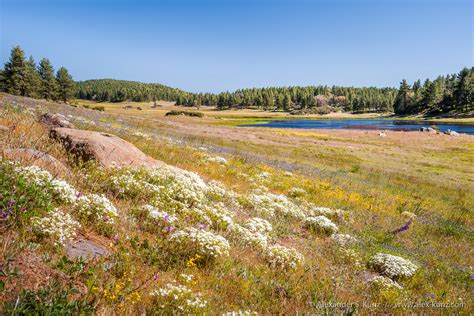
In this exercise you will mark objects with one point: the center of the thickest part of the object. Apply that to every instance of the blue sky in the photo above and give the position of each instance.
(215, 45)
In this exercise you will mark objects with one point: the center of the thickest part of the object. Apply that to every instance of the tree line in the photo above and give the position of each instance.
(451, 93)
(21, 76)
(322, 98)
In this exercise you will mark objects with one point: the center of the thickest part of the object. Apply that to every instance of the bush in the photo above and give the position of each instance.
(98, 108)
(186, 113)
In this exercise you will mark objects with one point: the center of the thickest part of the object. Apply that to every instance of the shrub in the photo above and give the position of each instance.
(57, 224)
(177, 298)
(320, 224)
(207, 245)
(258, 225)
(99, 108)
(187, 113)
(282, 257)
(392, 266)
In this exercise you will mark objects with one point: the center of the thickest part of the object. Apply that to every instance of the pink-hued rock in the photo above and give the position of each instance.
(109, 150)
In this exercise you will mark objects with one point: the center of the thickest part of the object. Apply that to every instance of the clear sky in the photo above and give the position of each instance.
(212, 45)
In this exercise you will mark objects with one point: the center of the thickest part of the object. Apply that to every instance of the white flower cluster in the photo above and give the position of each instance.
(175, 297)
(379, 282)
(57, 224)
(201, 242)
(34, 174)
(255, 234)
(320, 224)
(258, 225)
(156, 214)
(392, 266)
(344, 239)
(282, 257)
(180, 193)
(128, 184)
(91, 206)
(97, 208)
(324, 211)
(254, 239)
(63, 191)
(272, 204)
(219, 215)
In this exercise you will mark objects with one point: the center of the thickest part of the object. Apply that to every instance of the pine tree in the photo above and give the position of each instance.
(2, 80)
(464, 90)
(32, 79)
(65, 85)
(16, 73)
(48, 86)
(402, 101)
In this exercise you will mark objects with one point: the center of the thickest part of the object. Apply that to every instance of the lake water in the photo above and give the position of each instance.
(369, 124)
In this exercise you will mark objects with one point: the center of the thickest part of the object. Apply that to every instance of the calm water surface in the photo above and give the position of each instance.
(394, 125)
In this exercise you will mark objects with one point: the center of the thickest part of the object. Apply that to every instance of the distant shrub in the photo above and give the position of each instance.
(187, 113)
(139, 108)
(98, 108)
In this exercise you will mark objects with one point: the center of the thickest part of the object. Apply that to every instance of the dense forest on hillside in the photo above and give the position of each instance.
(318, 98)
(451, 93)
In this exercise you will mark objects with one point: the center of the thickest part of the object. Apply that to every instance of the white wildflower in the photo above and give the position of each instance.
(392, 266)
(320, 224)
(57, 224)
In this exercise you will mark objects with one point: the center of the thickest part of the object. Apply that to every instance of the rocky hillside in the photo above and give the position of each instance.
(92, 225)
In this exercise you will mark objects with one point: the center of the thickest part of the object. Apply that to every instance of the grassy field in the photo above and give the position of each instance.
(242, 116)
(408, 194)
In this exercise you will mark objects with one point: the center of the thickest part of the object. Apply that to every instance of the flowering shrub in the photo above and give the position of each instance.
(204, 243)
(96, 208)
(130, 185)
(320, 224)
(174, 297)
(282, 257)
(34, 175)
(271, 204)
(63, 191)
(156, 214)
(392, 266)
(56, 224)
(325, 211)
(258, 225)
(249, 238)
(379, 282)
(344, 239)
(219, 216)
